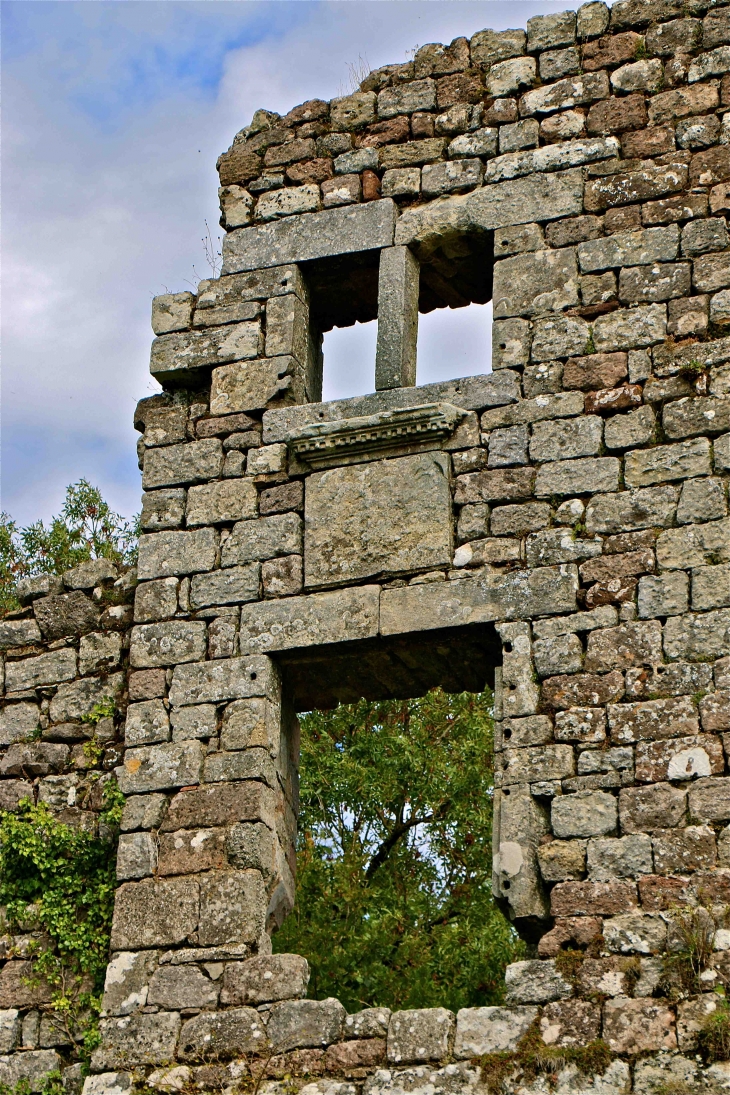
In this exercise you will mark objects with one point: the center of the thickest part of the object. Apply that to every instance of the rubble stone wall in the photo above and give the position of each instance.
(560, 523)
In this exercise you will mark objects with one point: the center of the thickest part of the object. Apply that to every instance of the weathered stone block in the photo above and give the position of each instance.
(224, 1033)
(586, 814)
(137, 1040)
(578, 476)
(164, 554)
(706, 635)
(222, 587)
(368, 1023)
(302, 1023)
(310, 620)
(18, 722)
(709, 800)
(224, 804)
(623, 857)
(544, 281)
(491, 1030)
(562, 859)
(680, 851)
(154, 913)
(155, 600)
(226, 679)
(162, 509)
(583, 689)
(67, 614)
(263, 539)
(232, 907)
(535, 982)
(654, 719)
(367, 540)
(566, 440)
(541, 762)
(51, 668)
(650, 507)
(663, 595)
(167, 643)
(157, 767)
(420, 1035)
(230, 500)
(636, 1026)
(127, 980)
(265, 979)
(30, 1068)
(491, 596)
(645, 808)
(623, 646)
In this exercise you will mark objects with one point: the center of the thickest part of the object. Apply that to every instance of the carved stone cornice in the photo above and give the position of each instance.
(327, 443)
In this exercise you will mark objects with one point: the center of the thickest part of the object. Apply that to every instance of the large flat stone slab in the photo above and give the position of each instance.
(492, 595)
(310, 236)
(389, 516)
(517, 201)
(472, 393)
(314, 620)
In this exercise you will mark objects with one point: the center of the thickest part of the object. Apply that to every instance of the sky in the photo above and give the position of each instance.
(113, 115)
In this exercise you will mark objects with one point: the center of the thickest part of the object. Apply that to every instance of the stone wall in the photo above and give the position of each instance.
(64, 654)
(559, 526)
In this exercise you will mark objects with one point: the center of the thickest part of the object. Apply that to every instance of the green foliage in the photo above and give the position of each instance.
(51, 1084)
(105, 709)
(714, 1035)
(86, 528)
(65, 879)
(394, 859)
(113, 800)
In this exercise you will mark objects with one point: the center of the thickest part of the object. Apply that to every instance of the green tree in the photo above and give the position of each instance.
(394, 903)
(86, 528)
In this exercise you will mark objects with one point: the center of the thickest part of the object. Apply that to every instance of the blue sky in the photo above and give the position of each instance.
(113, 114)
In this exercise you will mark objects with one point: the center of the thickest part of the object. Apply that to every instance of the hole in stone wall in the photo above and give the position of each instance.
(349, 361)
(394, 901)
(454, 342)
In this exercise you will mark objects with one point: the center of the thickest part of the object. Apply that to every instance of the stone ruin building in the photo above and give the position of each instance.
(557, 527)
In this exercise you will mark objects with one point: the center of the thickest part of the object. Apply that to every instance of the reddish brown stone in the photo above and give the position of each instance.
(307, 112)
(614, 591)
(282, 577)
(638, 1026)
(300, 1062)
(725, 90)
(642, 809)
(715, 711)
(570, 1023)
(576, 930)
(654, 757)
(282, 499)
(601, 569)
(609, 400)
(388, 132)
(311, 171)
(583, 689)
(710, 167)
(617, 115)
(681, 207)
(622, 218)
(422, 125)
(312, 129)
(658, 893)
(463, 87)
(370, 186)
(685, 101)
(437, 60)
(592, 898)
(595, 371)
(146, 684)
(644, 143)
(635, 643)
(238, 166)
(189, 851)
(611, 50)
(359, 1053)
(19, 988)
(712, 886)
(500, 112)
(220, 804)
(684, 850)
(621, 542)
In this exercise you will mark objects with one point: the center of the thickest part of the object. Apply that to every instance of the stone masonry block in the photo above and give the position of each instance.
(420, 1035)
(154, 914)
(137, 1040)
(167, 643)
(636, 1026)
(226, 679)
(230, 500)
(623, 646)
(265, 979)
(263, 539)
(491, 1029)
(645, 808)
(165, 554)
(232, 907)
(585, 814)
(535, 982)
(337, 616)
(223, 1033)
(543, 281)
(350, 531)
(578, 476)
(296, 1024)
(158, 767)
(645, 467)
(622, 857)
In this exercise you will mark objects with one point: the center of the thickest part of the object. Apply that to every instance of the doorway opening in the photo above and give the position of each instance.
(394, 903)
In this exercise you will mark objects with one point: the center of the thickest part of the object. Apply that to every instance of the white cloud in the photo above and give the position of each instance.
(114, 114)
